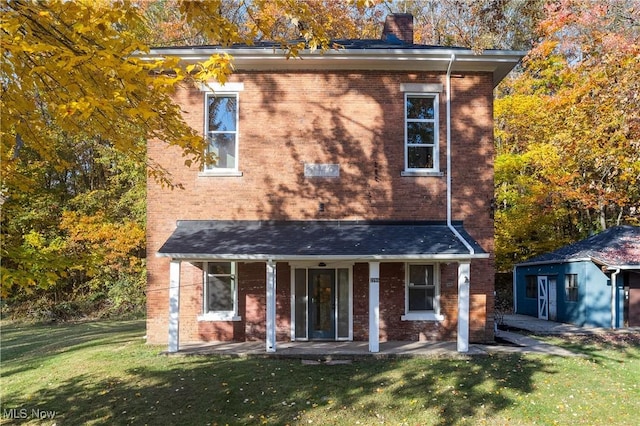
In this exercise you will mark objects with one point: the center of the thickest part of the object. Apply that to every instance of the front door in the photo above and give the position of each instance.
(322, 303)
(543, 301)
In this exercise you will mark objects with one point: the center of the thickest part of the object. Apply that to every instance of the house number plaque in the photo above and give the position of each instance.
(321, 170)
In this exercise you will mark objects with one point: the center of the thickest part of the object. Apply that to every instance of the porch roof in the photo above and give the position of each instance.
(313, 240)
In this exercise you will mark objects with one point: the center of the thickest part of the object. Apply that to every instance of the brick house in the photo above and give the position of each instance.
(351, 199)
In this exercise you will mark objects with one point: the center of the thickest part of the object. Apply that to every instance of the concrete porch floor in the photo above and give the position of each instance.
(330, 351)
(327, 351)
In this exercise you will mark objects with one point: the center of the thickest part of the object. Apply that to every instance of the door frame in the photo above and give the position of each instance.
(317, 265)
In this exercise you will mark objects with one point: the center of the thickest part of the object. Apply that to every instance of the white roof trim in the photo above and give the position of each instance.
(498, 62)
(295, 258)
(623, 267)
(551, 262)
(581, 259)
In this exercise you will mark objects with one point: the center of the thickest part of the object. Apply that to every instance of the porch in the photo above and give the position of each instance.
(313, 263)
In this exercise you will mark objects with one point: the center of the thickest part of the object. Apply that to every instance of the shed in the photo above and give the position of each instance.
(574, 283)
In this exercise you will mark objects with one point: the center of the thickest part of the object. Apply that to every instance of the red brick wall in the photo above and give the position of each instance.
(354, 119)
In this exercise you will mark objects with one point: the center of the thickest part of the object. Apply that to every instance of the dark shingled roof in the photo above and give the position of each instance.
(615, 246)
(338, 43)
(308, 239)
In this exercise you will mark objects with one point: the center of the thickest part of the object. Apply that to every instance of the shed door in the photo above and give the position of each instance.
(633, 317)
(543, 301)
(553, 299)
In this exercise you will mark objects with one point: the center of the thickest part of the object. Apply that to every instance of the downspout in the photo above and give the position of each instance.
(515, 290)
(451, 227)
(614, 286)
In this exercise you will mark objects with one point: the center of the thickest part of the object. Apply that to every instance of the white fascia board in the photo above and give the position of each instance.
(294, 258)
(624, 267)
(581, 259)
(551, 262)
(498, 62)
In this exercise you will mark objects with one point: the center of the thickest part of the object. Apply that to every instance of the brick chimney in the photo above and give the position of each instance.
(398, 27)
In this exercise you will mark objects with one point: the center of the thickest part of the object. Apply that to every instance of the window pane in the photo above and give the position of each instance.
(343, 303)
(532, 286)
(420, 133)
(571, 287)
(220, 293)
(301, 303)
(420, 157)
(220, 268)
(222, 113)
(420, 108)
(418, 274)
(223, 145)
(421, 298)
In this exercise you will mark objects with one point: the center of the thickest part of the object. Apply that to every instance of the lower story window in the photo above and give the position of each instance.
(422, 293)
(532, 287)
(571, 287)
(220, 292)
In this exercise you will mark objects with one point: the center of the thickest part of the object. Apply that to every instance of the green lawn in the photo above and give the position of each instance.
(104, 373)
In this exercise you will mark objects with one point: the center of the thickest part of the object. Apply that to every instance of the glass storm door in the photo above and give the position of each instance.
(322, 304)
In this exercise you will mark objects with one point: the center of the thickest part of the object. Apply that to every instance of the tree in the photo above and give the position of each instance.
(75, 232)
(79, 101)
(480, 24)
(567, 132)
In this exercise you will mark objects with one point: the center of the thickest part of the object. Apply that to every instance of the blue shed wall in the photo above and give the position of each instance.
(597, 301)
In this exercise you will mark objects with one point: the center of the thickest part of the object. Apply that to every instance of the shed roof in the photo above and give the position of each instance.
(300, 240)
(617, 246)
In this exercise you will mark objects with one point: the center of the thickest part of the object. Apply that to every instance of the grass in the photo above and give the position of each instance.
(104, 373)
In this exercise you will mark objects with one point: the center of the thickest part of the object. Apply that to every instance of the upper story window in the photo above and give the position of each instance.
(222, 130)
(422, 300)
(421, 133)
(221, 118)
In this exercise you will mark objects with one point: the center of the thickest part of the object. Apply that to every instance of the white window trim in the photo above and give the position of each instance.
(435, 170)
(219, 315)
(434, 315)
(426, 316)
(228, 89)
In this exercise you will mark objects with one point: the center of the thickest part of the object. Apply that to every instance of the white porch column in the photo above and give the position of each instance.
(464, 270)
(374, 306)
(174, 305)
(271, 306)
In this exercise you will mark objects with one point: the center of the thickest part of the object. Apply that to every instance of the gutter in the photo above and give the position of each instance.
(497, 62)
(262, 257)
(515, 291)
(449, 225)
